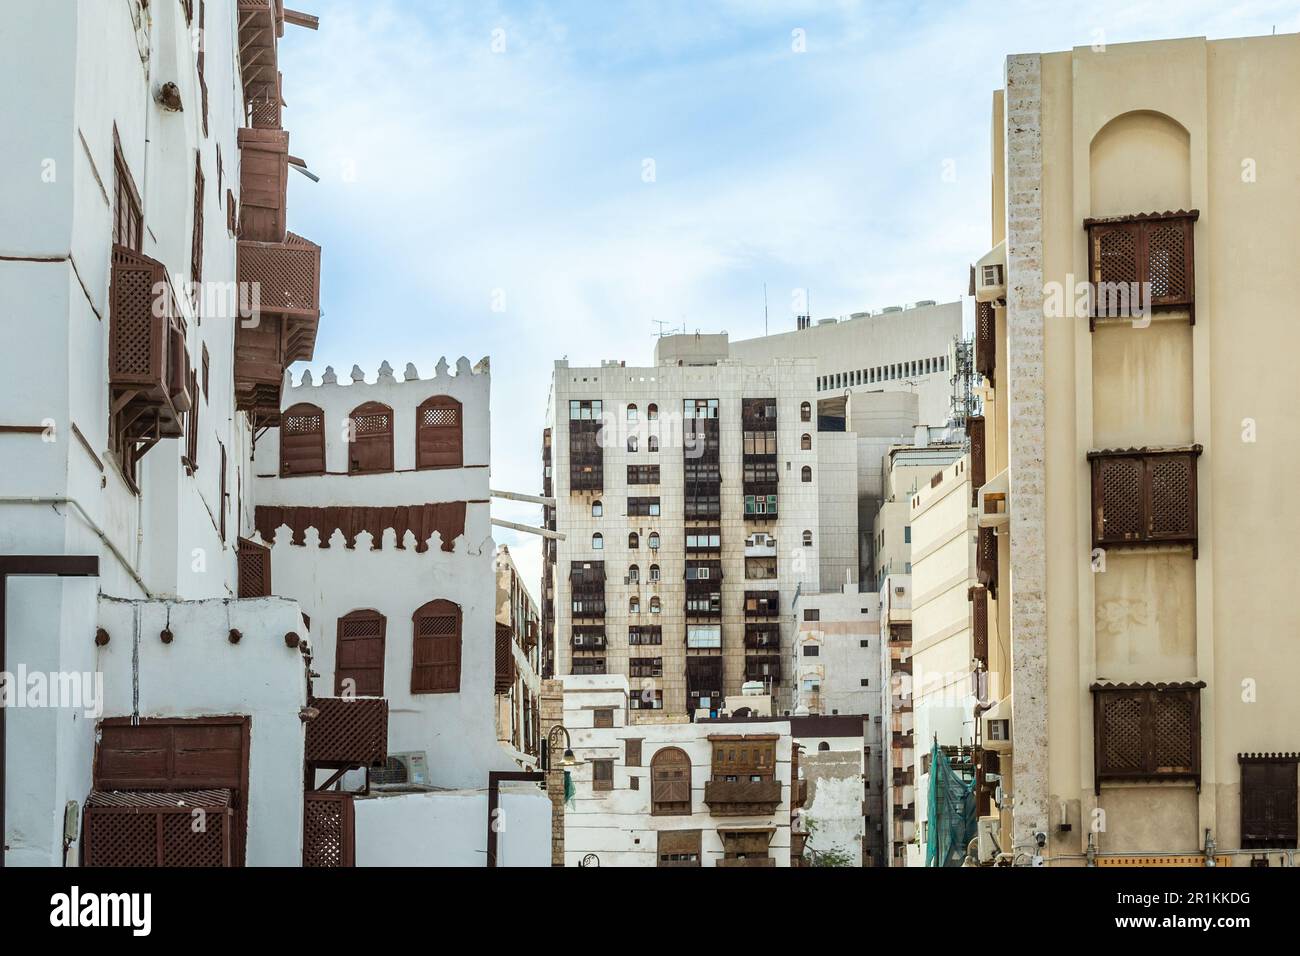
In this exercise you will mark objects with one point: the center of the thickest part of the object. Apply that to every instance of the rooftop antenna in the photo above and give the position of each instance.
(661, 323)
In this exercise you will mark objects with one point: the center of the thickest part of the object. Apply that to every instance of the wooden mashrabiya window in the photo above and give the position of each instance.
(1268, 800)
(439, 433)
(1147, 732)
(302, 441)
(370, 434)
(1140, 261)
(435, 664)
(1144, 496)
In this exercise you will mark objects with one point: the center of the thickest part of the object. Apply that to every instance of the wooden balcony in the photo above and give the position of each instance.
(263, 184)
(347, 732)
(764, 862)
(742, 798)
(148, 365)
(261, 24)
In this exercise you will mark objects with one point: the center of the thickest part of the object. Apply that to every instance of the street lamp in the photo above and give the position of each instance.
(567, 760)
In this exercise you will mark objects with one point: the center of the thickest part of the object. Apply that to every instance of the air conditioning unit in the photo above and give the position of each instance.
(988, 838)
(991, 275)
(995, 729)
(404, 770)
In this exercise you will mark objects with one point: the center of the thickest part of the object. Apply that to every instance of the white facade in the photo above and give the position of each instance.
(839, 814)
(456, 730)
(518, 711)
(617, 824)
(903, 350)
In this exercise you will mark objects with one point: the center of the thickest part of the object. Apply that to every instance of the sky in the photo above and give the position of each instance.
(540, 180)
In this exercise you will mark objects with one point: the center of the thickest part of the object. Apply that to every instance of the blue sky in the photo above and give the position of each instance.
(485, 154)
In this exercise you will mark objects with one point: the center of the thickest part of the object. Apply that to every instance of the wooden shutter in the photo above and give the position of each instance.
(371, 445)
(979, 600)
(670, 783)
(192, 423)
(602, 774)
(604, 717)
(196, 248)
(505, 659)
(1268, 801)
(435, 664)
(359, 653)
(679, 848)
(975, 429)
(439, 433)
(986, 560)
(1146, 731)
(254, 569)
(986, 344)
(1144, 495)
(302, 441)
(632, 752)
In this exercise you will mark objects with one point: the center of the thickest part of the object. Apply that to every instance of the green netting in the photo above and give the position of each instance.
(951, 813)
(570, 791)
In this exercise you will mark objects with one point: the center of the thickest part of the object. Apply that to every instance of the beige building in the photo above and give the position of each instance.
(1138, 452)
(518, 663)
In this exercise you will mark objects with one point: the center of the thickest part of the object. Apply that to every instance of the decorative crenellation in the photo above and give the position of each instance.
(386, 376)
(364, 542)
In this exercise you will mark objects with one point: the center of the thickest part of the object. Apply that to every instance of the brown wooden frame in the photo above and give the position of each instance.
(254, 569)
(1141, 702)
(1136, 467)
(979, 601)
(144, 781)
(370, 451)
(1268, 809)
(1137, 231)
(432, 676)
(667, 796)
(978, 462)
(306, 447)
(360, 614)
(439, 444)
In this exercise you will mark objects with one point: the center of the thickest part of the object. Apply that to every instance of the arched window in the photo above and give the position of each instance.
(634, 541)
(359, 654)
(633, 574)
(654, 572)
(823, 746)
(370, 439)
(654, 540)
(805, 443)
(631, 443)
(634, 605)
(597, 542)
(655, 606)
(302, 441)
(807, 539)
(652, 443)
(597, 509)
(670, 783)
(652, 412)
(439, 436)
(435, 658)
(631, 413)
(805, 412)
(805, 473)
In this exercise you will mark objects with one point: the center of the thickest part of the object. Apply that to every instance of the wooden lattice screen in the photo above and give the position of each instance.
(1147, 731)
(986, 346)
(986, 560)
(347, 732)
(975, 429)
(328, 830)
(1268, 800)
(371, 432)
(302, 441)
(435, 665)
(186, 828)
(505, 659)
(439, 433)
(1140, 261)
(254, 569)
(979, 628)
(1144, 496)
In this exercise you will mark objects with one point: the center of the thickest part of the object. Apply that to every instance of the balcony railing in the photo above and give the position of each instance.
(730, 798)
(347, 732)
